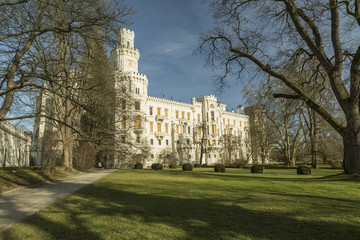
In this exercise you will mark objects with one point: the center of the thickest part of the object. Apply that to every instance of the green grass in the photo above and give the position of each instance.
(172, 204)
(11, 178)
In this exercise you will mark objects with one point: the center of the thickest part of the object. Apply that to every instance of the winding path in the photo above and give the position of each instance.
(19, 204)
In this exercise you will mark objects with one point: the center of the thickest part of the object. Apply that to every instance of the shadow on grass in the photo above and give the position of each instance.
(196, 218)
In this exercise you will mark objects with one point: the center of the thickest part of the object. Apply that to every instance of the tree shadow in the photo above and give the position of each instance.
(196, 218)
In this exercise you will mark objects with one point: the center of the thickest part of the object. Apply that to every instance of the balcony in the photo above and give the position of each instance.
(159, 118)
(213, 135)
(160, 135)
(183, 121)
(229, 126)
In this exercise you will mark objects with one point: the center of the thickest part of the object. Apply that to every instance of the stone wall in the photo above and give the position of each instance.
(14, 146)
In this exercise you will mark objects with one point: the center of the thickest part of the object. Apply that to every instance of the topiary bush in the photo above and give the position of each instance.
(173, 165)
(196, 165)
(157, 166)
(187, 167)
(257, 168)
(219, 168)
(138, 166)
(303, 170)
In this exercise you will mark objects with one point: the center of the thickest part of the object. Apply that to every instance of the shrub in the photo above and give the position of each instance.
(138, 166)
(187, 167)
(173, 165)
(219, 168)
(157, 166)
(257, 168)
(303, 170)
(196, 165)
(204, 165)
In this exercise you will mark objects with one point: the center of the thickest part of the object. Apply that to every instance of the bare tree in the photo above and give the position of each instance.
(265, 34)
(24, 22)
(284, 119)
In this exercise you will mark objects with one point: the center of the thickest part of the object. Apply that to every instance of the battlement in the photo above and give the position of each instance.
(125, 38)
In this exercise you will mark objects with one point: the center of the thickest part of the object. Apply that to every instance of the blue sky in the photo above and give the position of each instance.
(167, 33)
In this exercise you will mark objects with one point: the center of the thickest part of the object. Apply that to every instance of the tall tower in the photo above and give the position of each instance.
(130, 98)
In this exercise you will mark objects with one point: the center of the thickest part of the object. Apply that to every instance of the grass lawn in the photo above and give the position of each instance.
(171, 204)
(11, 178)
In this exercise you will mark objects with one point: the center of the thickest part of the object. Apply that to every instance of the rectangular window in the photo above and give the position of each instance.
(159, 127)
(158, 111)
(234, 123)
(240, 123)
(151, 127)
(166, 113)
(137, 122)
(182, 115)
(123, 123)
(224, 121)
(213, 129)
(177, 114)
(183, 129)
(213, 142)
(198, 117)
(245, 135)
(177, 129)
(228, 121)
(212, 116)
(138, 139)
(166, 128)
(189, 130)
(167, 142)
(159, 142)
(151, 141)
(123, 139)
(151, 111)
(137, 106)
(123, 104)
(199, 130)
(188, 115)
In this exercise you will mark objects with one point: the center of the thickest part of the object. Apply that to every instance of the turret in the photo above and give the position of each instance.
(125, 57)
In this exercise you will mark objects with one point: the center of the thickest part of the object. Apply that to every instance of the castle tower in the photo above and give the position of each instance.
(131, 95)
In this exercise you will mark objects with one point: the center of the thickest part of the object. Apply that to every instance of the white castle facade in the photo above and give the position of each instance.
(202, 129)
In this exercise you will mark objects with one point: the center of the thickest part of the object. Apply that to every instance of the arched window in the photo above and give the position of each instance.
(128, 44)
(137, 122)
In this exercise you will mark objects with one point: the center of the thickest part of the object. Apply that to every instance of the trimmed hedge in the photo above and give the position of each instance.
(303, 170)
(187, 167)
(257, 168)
(138, 166)
(157, 166)
(219, 168)
(197, 165)
(173, 165)
(204, 165)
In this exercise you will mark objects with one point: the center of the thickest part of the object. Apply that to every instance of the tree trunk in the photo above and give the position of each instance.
(351, 161)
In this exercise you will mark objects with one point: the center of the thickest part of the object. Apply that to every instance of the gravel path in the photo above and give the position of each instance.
(16, 205)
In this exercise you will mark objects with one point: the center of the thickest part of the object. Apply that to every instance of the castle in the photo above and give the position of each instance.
(202, 129)
(151, 129)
